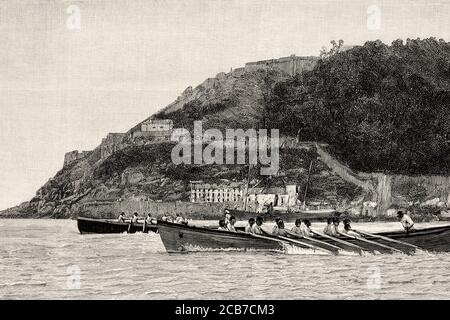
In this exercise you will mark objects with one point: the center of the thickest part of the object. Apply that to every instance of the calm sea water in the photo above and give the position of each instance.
(49, 259)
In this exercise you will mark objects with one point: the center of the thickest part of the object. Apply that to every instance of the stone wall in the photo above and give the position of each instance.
(73, 156)
(291, 65)
(111, 144)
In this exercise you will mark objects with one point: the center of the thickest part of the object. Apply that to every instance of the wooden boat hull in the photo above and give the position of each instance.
(435, 239)
(88, 225)
(182, 238)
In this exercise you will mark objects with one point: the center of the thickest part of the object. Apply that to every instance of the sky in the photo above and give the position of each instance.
(72, 71)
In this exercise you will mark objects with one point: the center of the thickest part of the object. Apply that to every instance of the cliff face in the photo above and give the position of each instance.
(128, 168)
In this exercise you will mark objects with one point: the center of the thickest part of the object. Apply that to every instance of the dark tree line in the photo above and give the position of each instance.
(380, 107)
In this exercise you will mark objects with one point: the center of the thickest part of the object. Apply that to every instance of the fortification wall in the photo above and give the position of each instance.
(291, 65)
(73, 156)
(111, 144)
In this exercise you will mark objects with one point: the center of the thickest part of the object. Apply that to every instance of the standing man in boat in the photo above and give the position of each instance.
(406, 221)
(227, 217)
(121, 217)
(249, 226)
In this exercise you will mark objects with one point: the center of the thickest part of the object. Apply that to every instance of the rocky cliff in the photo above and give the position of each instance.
(124, 169)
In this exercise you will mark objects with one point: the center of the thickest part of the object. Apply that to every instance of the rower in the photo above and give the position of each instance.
(348, 228)
(164, 217)
(336, 222)
(179, 219)
(230, 225)
(222, 226)
(149, 219)
(135, 218)
(257, 226)
(275, 227)
(121, 218)
(306, 228)
(406, 221)
(249, 226)
(280, 230)
(297, 228)
(329, 229)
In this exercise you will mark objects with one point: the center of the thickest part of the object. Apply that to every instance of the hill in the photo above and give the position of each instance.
(380, 108)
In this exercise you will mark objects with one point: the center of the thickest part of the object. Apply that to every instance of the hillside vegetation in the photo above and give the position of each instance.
(380, 107)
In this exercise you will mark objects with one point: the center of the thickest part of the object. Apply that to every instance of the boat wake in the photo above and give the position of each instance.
(296, 250)
(195, 248)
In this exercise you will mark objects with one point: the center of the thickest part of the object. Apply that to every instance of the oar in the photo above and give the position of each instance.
(307, 245)
(283, 239)
(348, 244)
(371, 242)
(329, 245)
(406, 244)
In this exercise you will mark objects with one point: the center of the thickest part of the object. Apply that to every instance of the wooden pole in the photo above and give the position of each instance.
(246, 189)
(307, 183)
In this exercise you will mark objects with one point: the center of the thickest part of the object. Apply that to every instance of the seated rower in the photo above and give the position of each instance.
(306, 228)
(149, 219)
(230, 225)
(135, 218)
(280, 231)
(179, 219)
(121, 218)
(249, 226)
(222, 226)
(406, 221)
(329, 229)
(336, 222)
(275, 227)
(164, 217)
(348, 228)
(257, 226)
(297, 228)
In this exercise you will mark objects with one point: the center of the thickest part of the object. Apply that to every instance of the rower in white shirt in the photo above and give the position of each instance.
(257, 226)
(230, 225)
(297, 228)
(406, 221)
(249, 226)
(306, 228)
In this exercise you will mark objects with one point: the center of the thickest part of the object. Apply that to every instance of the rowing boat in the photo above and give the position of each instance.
(183, 238)
(88, 225)
(435, 239)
